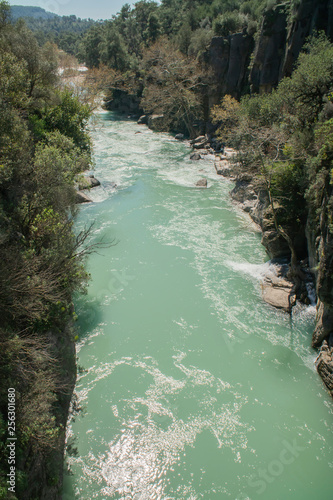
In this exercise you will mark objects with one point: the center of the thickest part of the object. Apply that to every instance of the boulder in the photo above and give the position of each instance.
(275, 244)
(324, 364)
(248, 206)
(244, 189)
(195, 156)
(201, 183)
(88, 182)
(179, 137)
(200, 142)
(229, 152)
(200, 145)
(157, 122)
(143, 120)
(278, 292)
(82, 197)
(223, 167)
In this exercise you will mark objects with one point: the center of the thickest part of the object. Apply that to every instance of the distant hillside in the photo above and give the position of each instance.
(64, 31)
(35, 12)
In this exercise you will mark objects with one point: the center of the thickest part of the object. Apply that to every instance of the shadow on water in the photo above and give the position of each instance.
(90, 315)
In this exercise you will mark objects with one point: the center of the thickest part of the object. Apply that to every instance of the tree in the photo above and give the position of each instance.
(153, 30)
(311, 82)
(91, 46)
(70, 117)
(41, 63)
(113, 50)
(172, 86)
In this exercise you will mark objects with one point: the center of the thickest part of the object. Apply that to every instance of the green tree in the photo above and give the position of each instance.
(113, 50)
(172, 86)
(70, 117)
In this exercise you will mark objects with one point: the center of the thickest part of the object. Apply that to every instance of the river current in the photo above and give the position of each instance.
(191, 387)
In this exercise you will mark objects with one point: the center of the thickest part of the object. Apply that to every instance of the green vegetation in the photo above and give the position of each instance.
(189, 25)
(43, 145)
(19, 11)
(285, 138)
(65, 31)
(155, 54)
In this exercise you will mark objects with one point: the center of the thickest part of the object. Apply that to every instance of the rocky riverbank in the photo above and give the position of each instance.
(283, 290)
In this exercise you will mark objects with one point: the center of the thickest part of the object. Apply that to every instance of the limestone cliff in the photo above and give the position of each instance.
(228, 59)
(283, 33)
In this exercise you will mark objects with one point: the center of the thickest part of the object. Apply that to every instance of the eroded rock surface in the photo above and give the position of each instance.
(279, 292)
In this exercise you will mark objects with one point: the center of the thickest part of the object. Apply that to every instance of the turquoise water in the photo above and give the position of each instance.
(190, 386)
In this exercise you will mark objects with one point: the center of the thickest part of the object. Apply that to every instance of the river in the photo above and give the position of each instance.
(190, 386)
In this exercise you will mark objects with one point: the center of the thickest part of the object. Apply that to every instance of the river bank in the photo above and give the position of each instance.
(190, 384)
(252, 197)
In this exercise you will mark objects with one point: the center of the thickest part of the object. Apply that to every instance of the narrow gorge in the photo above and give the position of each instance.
(177, 352)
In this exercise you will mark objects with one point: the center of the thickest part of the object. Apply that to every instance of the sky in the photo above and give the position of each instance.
(95, 9)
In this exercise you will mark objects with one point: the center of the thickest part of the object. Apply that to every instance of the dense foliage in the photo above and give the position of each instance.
(155, 53)
(43, 145)
(65, 31)
(188, 24)
(285, 138)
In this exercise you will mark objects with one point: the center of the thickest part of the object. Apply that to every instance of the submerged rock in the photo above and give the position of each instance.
(279, 292)
(201, 183)
(195, 156)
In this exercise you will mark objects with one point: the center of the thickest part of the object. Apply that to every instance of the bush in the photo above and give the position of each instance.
(230, 22)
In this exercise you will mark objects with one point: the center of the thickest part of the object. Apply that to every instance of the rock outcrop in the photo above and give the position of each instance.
(81, 197)
(124, 102)
(143, 120)
(283, 33)
(279, 292)
(88, 182)
(157, 122)
(324, 365)
(228, 58)
(268, 55)
(200, 142)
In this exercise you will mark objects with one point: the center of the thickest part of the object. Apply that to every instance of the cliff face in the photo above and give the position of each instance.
(267, 68)
(228, 59)
(320, 250)
(283, 32)
(281, 37)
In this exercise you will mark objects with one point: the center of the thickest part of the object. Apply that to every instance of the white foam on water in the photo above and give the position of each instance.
(141, 438)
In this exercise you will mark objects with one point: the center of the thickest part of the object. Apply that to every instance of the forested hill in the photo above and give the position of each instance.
(65, 31)
(18, 11)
